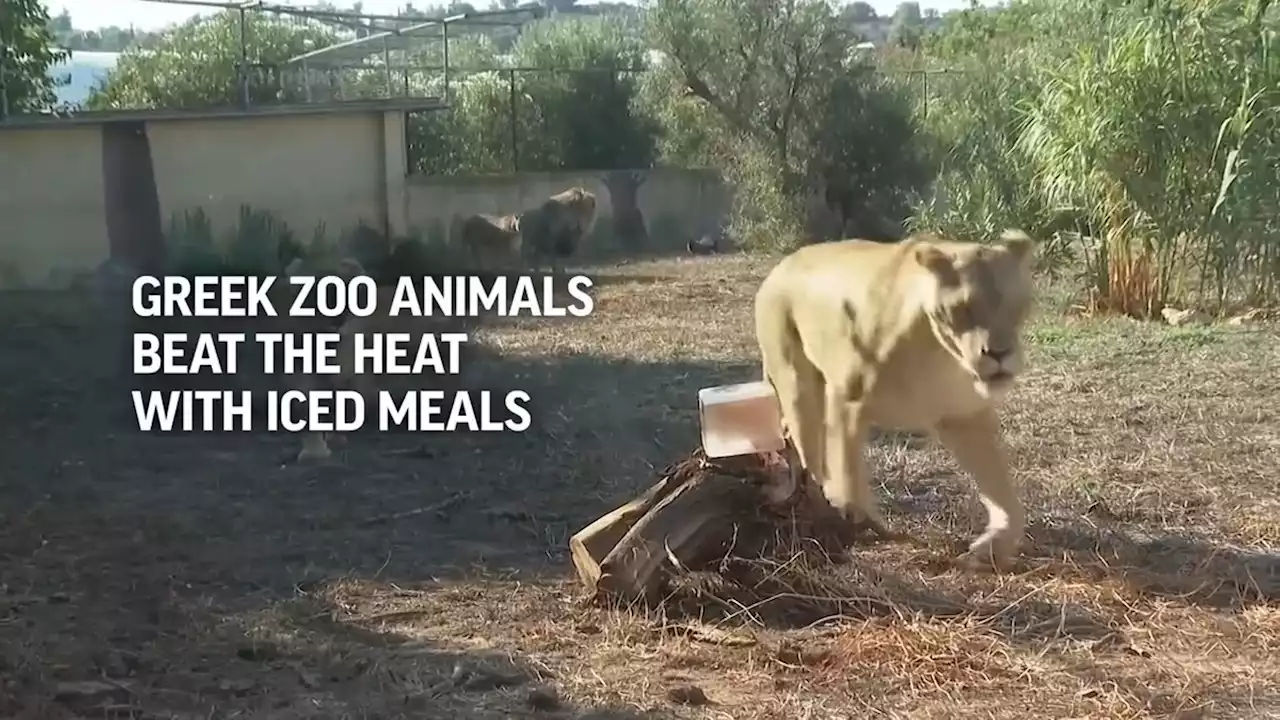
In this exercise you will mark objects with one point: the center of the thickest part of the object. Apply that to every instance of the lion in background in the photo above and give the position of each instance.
(492, 239)
(921, 335)
(555, 229)
(315, 444)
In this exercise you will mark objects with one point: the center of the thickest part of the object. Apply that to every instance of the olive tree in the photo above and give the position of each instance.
(27, 51)
(794, 112)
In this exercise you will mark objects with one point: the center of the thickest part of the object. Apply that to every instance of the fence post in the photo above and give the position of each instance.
(925, 82)
(386, 65)
(444, 31)
(511, 99)
(242, 72)
(4, 82)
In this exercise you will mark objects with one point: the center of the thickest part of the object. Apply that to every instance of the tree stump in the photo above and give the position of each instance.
(699, 511)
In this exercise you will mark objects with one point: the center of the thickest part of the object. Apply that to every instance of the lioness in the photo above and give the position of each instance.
(920, 335)
(491, 239)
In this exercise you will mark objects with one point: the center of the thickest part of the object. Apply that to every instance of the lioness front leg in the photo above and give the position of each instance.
(847, 486)
(976, 444)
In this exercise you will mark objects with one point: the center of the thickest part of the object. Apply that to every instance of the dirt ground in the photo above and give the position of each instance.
(204, 576)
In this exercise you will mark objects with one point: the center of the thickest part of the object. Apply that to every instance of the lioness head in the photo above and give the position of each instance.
(977, 300)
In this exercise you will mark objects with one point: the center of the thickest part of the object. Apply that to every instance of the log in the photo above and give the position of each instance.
(691, 516)
(590, 545)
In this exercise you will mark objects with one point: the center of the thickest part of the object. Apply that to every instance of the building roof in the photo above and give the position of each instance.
(50, 120)
(417, 34)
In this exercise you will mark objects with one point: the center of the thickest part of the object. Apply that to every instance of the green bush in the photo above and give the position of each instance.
(1147, 136)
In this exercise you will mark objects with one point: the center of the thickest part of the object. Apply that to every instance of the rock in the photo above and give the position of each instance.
(543, 698)
(688, 695)
(1178, 318)
(484, 679)
(257, 652)
(1251, 317)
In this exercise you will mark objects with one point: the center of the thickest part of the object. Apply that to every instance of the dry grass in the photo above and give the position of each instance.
(202, 577)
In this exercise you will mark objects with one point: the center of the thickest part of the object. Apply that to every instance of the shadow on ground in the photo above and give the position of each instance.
(211, 575)
(1184, 567)
(179, 574)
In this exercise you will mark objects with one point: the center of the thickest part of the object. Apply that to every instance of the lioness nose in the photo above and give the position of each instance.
(997, 355)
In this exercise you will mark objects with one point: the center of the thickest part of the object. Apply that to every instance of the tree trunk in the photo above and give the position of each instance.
(699, 511)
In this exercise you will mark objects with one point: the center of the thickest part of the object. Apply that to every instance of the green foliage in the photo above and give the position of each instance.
(589, 118)
(690, 130)
(194, 65)
(192, 248)
(1141, 138)
(27, 52)
(1147, 131)
(868, 150)
(262, 244)
(569, 104)
(474, 134)
(791, 111)
(767, 213)
(250, 248)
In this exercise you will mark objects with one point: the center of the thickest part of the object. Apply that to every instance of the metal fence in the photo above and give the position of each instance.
(523, 126)
(374, 56)
(360, 55)
(520, 127)
(364, 56)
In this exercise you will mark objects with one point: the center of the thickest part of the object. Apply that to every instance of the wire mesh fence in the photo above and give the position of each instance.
(288, 54)
(504, 119)
(518, 119)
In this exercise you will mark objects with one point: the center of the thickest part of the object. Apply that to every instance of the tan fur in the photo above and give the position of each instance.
(490, 239)
(857, 334)
(555, 229)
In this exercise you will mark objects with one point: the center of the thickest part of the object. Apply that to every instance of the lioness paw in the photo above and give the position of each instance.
(988, 554)
(860, 520)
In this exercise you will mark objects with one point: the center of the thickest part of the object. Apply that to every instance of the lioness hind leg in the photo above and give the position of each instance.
(799, 388)
(975, 443)
(847, 486)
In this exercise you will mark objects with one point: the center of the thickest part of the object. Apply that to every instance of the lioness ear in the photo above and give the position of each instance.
(937, 262)
(1018, 243)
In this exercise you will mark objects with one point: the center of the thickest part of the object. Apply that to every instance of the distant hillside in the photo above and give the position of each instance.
(85, 70)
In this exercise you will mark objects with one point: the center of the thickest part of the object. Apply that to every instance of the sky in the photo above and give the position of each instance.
(88, 14)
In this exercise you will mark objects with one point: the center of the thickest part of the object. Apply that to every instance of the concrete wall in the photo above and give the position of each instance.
(305, 169)
(77, 193)
(51, 204)
(64, 210)
(674, 204)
